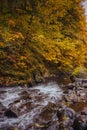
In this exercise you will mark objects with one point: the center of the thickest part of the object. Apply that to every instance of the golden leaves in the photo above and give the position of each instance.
(11, 22)
(17, 35)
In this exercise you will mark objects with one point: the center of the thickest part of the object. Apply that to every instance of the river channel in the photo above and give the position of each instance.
(21, 106)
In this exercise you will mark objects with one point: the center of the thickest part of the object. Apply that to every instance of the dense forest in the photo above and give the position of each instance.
(41, 37)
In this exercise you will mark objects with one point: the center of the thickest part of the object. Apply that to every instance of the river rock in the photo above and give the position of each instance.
(7, 128)
(26, 107)
(54, 125)
(33, 109)
(66, 118)
(2, 109)
(10, 114)
(70, 113)
(46, 116)
(84, 111)
(70, 86)
(80, 123)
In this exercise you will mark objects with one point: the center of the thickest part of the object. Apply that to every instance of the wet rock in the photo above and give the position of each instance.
(30, 105)
(10, 114)
(66, 118)
(69, 112)
(25, 97)
(84, 80)
(30, 84)
(71, 98)
(30, 127)
(54, 126)
(23, 93)
(7, 128)
(76, 92)
(2, 91)
(26, 107)
(2, 109)
(84, 111)
(46, 117)
(78, 107)
(65, 126)
(66, 98)
(72, 78)
(84, 85)
(21, 126)
(70, 86)
(79, 124)
(60, 112)
(38, 78)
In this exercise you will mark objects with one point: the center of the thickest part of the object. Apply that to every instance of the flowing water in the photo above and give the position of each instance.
(27, 103)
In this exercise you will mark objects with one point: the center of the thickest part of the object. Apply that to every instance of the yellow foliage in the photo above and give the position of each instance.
(11, 22)
(35, 33)
(17, 35)
(2, 44)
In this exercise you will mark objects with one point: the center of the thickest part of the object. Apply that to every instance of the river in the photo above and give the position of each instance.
(27, 104)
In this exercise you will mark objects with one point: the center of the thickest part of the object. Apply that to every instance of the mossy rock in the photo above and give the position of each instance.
(80, 72)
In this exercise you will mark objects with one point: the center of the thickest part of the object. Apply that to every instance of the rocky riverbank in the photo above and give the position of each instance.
(45, 107)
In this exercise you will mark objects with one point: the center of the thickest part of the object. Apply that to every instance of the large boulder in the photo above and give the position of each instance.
(46, 117)
(66, 118)
(80, 123)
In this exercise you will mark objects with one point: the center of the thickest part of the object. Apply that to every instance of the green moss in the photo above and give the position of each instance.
(80, 72)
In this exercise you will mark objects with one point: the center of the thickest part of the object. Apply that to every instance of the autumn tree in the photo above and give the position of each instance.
(41, 36)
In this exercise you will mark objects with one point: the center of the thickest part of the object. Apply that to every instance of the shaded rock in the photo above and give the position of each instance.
(84, 85)
(84, 80)
(60, 111)
(72, 78)
(63, 78)
(7, 128)
(66, 118)
(66, 98)
(69, 112)
(2, 109)
(16, 101)
(38, 78)
(39, 111)
(23, 93)
(10, 114)
(46, 117)
(26, 107)
(79, 124)
(78, 107)
(84, 111)
(54, 126)
(70, 86)
(65, 126)
(25, 97)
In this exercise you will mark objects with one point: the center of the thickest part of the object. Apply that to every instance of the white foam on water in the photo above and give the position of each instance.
(51, 89)
(10, 96)
(49, 92)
